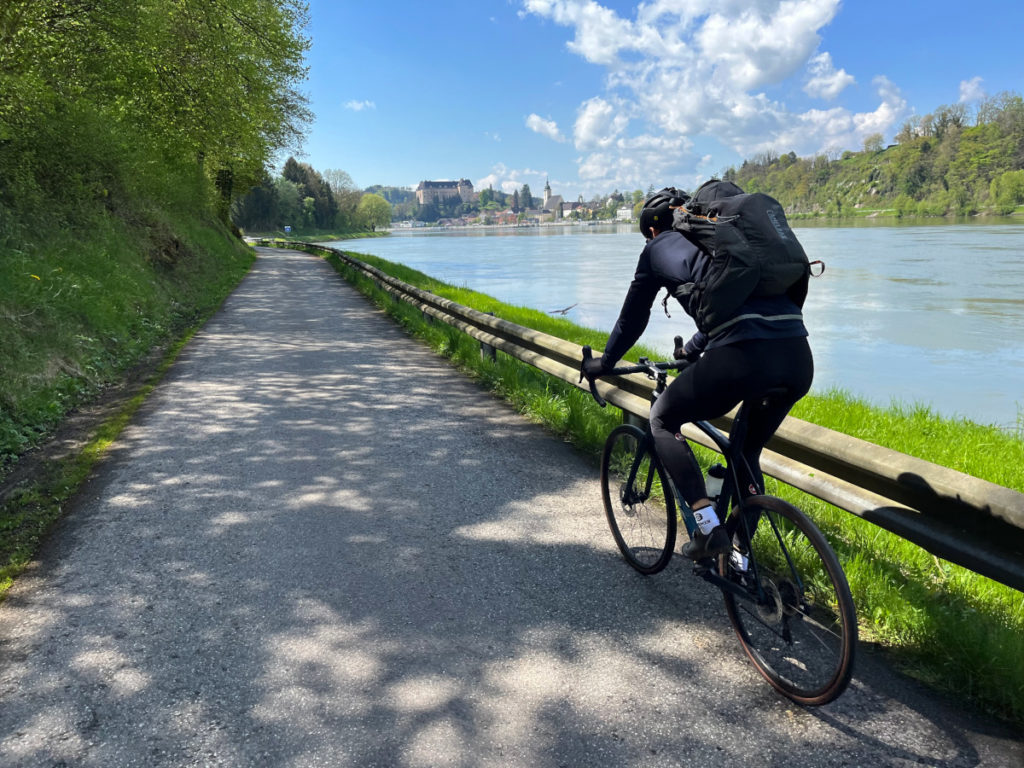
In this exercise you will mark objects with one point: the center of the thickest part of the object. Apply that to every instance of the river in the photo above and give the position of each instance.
(929, 314)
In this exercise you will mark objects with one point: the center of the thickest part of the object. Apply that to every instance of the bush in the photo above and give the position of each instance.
(1007, 191)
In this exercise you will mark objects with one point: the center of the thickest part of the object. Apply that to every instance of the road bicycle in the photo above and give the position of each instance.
(785, 592)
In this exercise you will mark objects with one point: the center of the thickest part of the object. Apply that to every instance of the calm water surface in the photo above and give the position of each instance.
(928, 314)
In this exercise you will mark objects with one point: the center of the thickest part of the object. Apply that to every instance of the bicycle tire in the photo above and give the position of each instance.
(641, 513)
(801, 633)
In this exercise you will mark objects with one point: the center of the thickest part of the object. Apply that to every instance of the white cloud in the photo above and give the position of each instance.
(600, 33)
(598, 124)
(509, 180)
(685, 69)
(825, 81)
(763, 45)
(359, 106)
(971, 90)
(548, 128)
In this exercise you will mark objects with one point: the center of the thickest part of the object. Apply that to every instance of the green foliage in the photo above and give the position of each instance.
(79, 311)
(1007, 191)
(306, 200)
(940, 166)
(321, 209)
(124, 131)
(525, 198)
(374, 211)
(198, 80)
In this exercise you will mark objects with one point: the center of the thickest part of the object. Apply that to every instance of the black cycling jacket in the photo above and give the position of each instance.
(668, 261)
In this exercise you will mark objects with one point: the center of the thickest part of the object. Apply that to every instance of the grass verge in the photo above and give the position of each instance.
(943, 624)
(29, 510)
(86, 311)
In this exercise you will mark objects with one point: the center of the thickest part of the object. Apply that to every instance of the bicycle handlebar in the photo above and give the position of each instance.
(643, 366)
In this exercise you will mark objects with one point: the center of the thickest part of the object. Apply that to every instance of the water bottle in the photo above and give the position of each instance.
(713, 483)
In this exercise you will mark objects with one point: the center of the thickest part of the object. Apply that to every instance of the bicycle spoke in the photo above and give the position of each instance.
(799, 629)
(640, 513)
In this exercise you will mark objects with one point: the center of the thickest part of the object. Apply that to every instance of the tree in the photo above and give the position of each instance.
(910, 130)
(1007, 191)
(428, 212)
(874, 143)
(374, 211)
(338, 179)
(525, 198)
(258, 211)
(346, 200)
(289, 203)
(311, 184)
(308, 212)
(159, 84)
(515, 201)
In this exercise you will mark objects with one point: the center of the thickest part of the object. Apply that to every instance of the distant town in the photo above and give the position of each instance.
(521, 208)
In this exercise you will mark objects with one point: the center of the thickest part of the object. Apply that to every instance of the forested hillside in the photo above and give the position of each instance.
(125, 131)
(950, 162)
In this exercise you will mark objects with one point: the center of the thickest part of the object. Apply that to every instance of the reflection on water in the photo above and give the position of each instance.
(918, 314)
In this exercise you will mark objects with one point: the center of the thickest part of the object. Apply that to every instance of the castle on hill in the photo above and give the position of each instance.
(552, 206)
(432, 191)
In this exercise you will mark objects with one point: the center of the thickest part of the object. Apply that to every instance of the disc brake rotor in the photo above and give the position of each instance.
(771, 607)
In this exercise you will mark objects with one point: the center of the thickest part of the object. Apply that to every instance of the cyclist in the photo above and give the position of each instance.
(740, 362)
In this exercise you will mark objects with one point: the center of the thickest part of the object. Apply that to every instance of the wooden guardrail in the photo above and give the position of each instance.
(960, 518)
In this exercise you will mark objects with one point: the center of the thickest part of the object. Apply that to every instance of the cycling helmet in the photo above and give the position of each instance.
(657, 210)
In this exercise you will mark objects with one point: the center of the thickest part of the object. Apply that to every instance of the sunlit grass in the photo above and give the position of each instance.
(959, 631)
(101, 305)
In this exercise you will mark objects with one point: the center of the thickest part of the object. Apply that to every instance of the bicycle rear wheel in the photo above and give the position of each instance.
(638, 500)
(799, 626)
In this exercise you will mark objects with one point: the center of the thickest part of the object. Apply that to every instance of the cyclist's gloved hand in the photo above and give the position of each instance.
(691, 350)
(594, 367)
(680, 353)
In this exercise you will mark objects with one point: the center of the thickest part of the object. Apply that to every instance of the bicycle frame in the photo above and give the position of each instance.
(731, 492)
(797, 627)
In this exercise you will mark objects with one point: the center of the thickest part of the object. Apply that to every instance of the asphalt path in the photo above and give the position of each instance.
(320, 545)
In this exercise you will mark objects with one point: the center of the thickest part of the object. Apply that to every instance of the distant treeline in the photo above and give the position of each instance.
(305, 199)
(949, 162)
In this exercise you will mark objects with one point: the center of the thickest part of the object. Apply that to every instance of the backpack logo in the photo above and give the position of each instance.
(782, 229)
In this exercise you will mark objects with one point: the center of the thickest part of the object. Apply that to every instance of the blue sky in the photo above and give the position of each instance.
(597, 95)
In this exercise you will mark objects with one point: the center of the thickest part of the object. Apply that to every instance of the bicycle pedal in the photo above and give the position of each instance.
(703, 567)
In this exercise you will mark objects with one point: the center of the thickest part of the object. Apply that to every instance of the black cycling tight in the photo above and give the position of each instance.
(721, 379)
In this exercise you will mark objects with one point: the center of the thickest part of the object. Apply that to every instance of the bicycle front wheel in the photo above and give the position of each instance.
(638, 500)
(798, 623)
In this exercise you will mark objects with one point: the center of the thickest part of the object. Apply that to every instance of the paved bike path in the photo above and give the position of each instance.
(320, 545)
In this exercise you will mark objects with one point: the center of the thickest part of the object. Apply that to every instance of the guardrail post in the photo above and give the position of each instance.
(632, 418)
(487, 352)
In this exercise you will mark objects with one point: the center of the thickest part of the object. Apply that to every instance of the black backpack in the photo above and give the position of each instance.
(753, 253)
